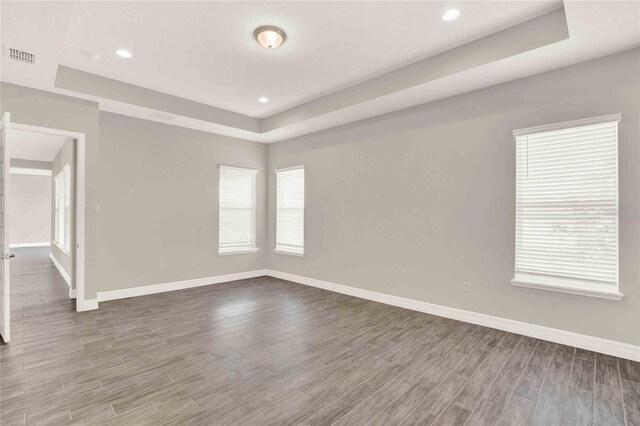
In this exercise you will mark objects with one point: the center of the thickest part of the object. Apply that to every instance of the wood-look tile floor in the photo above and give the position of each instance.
(35, 281)
(270, 352)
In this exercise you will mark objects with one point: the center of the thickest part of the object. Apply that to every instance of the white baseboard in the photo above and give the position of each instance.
(597, 344)
(23, 245)
(64, 274)
(176, 285)
(88, 305)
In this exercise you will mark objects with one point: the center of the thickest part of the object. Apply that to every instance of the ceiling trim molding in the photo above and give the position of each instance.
(144, 103)
(102, 87)
(533, 34)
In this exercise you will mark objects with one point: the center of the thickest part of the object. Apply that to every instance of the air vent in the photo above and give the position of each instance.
(21, 56)
(161, 116)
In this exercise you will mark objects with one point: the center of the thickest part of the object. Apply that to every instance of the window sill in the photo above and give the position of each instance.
(243, 251)
(62, 249)
(610, 295)
(290, 253)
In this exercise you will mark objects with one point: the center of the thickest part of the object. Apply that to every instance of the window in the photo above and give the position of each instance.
(237, 218)
(567, 207)
(62, 213)
(290, 211)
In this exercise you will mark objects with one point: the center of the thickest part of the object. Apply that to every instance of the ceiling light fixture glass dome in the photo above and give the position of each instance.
(269, 36)
(451, 15)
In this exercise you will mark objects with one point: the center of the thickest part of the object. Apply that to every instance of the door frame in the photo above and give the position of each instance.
(80, 203)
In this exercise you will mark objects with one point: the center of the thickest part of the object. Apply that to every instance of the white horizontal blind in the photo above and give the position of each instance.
(56, 199)
(62, 216)
(237, 218)
(290, 210)
(67, 207)
(566, 207)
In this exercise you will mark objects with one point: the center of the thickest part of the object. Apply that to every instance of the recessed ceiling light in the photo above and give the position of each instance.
(451, 15)
(123, 53)
(269, 36)
(263, 100)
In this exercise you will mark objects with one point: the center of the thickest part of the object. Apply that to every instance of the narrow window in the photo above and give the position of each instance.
(237, 215)
(567, 207)
(290, 211)
(67, 208)
(62, 208)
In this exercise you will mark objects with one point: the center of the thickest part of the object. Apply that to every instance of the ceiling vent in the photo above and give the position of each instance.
(21, 56)
(161, 116)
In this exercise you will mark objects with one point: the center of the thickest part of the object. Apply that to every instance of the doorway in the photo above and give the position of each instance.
(42, 222)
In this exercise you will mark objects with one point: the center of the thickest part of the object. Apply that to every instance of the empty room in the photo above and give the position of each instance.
(338, 213)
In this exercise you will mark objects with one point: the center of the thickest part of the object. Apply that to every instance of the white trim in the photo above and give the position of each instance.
(60, 247)
(90, 304)
(64, 273)
(80, 207)
(290, 253)
(597, 344)
(242, 169)
(22, 245)
(565, 124)
(177, 285)
(611, 295)
(240, 251)
(29, 171)
(288, 169)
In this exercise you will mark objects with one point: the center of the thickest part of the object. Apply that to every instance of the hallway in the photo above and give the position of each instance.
(36, 282)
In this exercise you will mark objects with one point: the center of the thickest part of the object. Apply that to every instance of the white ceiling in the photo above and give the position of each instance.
(35, 146)
(204, 52)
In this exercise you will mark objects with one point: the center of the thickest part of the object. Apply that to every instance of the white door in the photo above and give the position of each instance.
(5, 309)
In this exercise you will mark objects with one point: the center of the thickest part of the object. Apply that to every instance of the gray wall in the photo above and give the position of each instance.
(159, 202)
(29, 208)
(417, 202)
(30, 164)
(66, 155)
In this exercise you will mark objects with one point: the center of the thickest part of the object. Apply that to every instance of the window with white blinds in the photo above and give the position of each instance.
(567, 207)
(62, 208)
(237, 216)
(290, 210)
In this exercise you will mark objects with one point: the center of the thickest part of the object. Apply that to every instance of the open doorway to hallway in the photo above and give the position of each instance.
(41, 230)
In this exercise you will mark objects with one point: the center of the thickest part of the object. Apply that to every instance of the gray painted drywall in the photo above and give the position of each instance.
(29, 208)
(417, 202)
(159, 202)
(66, 155)
(31, 164)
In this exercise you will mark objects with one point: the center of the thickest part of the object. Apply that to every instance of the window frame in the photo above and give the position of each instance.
(238, 249)
(278, 247)
(570, 286)
(62, 208)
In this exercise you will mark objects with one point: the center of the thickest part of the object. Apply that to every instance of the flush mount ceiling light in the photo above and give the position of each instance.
(263, 99)
(124, 53)
(451, 15)
(269, 36)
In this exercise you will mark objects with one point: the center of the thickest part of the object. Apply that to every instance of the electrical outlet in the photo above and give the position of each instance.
(315, 263)
(194, 264)
(467, 287)
(161, 266)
